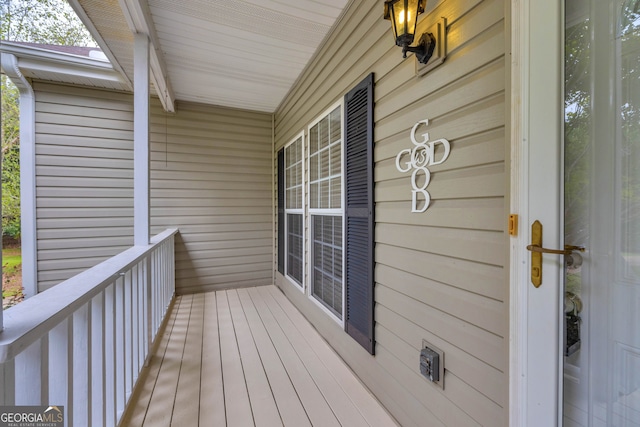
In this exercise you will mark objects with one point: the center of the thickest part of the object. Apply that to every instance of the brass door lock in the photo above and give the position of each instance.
(537, 250)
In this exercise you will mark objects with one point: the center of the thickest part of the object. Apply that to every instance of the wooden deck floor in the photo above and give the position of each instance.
(247, 357)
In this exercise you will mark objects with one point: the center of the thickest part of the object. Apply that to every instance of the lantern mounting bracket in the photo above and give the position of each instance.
(423, 50)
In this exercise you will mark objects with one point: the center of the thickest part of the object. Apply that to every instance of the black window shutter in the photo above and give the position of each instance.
(359, 279)
(281, 210)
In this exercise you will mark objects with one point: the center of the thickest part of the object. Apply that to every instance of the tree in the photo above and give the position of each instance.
(10, 159)
(36, 21)
(578, 116)
(629, 117)
(580, 123)
(43, 21)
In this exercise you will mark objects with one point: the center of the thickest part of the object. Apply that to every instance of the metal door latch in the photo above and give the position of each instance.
(537, 250)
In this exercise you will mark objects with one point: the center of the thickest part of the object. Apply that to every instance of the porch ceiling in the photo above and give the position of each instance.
(234, 53)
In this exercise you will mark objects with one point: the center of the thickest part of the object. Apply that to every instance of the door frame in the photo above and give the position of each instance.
(537, 74)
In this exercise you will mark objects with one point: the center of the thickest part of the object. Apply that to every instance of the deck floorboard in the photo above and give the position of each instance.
(247, 357)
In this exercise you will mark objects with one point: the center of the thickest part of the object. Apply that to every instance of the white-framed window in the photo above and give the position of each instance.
(326, 211)
(294, 210)
(334, 217)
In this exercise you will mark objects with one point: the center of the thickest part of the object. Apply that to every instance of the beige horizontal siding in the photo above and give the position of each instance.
(210, 177)
(440, 275)
(83, 153)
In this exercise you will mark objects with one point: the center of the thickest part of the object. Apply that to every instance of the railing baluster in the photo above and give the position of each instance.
(61, 366)
(140, 316)
(110, 354)
(157, 293)
(97, 373)
(81, 356)
(157, 277)
(145, 309)
(149, 306)
(32, 372)
(161, 290)
(8, 383)
(135, 316)
(128, 336)
(165, 275)
(152, 300)
(120, 368)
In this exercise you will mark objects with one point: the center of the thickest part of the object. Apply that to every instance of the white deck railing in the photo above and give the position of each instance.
(82, 344)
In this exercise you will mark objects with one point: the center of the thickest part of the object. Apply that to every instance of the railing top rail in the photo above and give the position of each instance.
(30, 320)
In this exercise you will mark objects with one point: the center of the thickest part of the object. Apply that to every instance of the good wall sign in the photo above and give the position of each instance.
(423, 154)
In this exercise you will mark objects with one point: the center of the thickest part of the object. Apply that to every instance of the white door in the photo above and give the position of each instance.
(583, 344)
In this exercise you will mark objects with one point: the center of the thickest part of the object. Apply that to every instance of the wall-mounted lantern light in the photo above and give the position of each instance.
(403, 15)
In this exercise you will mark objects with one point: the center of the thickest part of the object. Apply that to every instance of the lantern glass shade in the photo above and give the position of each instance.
(404, 18)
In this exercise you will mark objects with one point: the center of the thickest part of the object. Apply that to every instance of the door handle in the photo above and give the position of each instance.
(568, 249)
(537, 250)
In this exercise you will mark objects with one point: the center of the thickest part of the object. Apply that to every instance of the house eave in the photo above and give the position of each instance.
(64, 67)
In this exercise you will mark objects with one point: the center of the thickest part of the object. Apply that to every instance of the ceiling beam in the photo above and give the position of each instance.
(138, 17)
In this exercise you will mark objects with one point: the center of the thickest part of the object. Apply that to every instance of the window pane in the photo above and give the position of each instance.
(290, 198)
(327, 261)
(336, 157)
(313, 139)
(323, 133)
(294, 221)
(295, 247)
(337, 296)
(324, 195)
(313, 167)
(335, 126)
(325, 162)
(313, 195)
(293, 175)
(336, 193)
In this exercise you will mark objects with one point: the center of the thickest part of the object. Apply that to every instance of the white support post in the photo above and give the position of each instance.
(141, 147)
(138, 16)
(27, 175)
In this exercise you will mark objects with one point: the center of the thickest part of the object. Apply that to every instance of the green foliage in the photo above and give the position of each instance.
(580, 126)
(629, 117)
(578, 115)
(36, 21)
(11, 192)
(11, 261)
(10, 128)
(42, 21)
(10, 114)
